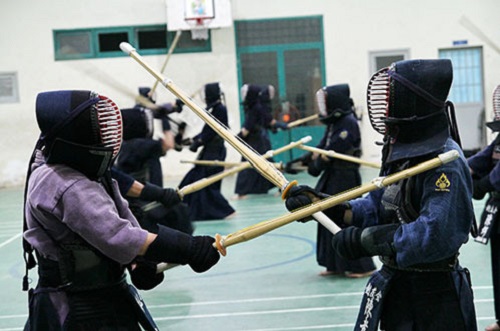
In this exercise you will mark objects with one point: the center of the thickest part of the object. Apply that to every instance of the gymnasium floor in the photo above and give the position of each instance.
(268, 283)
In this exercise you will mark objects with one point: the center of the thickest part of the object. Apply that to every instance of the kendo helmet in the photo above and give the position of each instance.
(212, 93)
(138, 122)
(334, 102)
(407, 103)
(267, 93)
(146, 93)
(495, 124)
(250, 94)
(80, 129)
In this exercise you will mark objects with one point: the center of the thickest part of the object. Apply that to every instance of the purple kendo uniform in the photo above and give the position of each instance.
(208, 203)
(54, 186)
(109, 225)
(417, 225)
(81, 230)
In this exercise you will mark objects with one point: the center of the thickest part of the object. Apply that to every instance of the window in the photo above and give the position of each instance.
(73, 44)
(382, 59)
(105, 42)
(8, 87)
(467, 74)
(152, 39)
(467, 94)
(286, 53)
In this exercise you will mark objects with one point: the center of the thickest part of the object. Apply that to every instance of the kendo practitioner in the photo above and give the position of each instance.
(418, 225)
(254, 131)
(208, 203)
(266, 96)
(80, 229)
(151, 204)
(341, 135)
(161, 112)
(485, 170)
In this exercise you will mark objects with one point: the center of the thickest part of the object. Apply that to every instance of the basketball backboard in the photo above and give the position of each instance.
(198, 14)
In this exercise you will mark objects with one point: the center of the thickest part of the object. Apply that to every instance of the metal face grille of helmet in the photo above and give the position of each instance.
(495, 124)
(110, 124)
(321, 102)
(407, 104)
(267, 93)
(250, 94)
(378, 94)
(496, 104)
(243, 92)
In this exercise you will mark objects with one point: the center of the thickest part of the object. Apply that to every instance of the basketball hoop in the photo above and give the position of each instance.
(199, 27)
(198, 14)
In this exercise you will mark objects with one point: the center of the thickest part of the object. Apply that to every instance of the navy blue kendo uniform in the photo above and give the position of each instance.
(208, 203)
(342, 135)
(485, 169)
(155, 172)
(249, 181)
(156, 205)
(418, 225)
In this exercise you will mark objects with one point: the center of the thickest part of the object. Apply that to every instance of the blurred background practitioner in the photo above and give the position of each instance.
(208, 203)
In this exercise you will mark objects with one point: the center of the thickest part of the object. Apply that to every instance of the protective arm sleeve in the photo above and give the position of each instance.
(316, 167)
(353, 243)
(302, 160)
(176, 247)
(481, 187)
(166, 196)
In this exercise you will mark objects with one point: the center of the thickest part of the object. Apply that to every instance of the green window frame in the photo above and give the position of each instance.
(76, 44)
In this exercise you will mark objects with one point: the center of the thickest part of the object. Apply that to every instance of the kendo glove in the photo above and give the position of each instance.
(300, 196)
(304, 160)
(174, 246)
(166, 196)
(178, 139)
(353, 243)
(144, 275)
(165, 109)
(289, 168)
(195, 145)
(179, 105)
(481, 186)
(317, 166)
(281, 125)
(178, 142)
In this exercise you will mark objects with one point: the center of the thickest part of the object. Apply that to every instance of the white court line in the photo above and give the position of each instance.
(11, 239)
(302, 297)
(266, 312)
(312, 327)
(224, 302)
(263, 312)
(14, 316)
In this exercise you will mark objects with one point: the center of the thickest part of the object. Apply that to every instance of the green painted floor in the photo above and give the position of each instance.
(268, 283)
